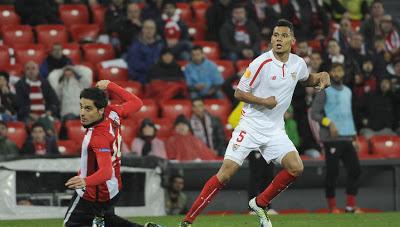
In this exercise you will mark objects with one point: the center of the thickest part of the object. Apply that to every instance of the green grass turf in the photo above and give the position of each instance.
(303, 220)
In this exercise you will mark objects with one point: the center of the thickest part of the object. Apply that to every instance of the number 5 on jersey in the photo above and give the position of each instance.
(241, 136)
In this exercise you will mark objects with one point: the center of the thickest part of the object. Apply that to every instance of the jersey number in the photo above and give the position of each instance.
(241, 136)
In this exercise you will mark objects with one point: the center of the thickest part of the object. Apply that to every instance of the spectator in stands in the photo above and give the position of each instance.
(207, 128)
(152, 9)
(315, 62)
(68, 84)
(202, 76)
(216, 15)
(8, 100)
(115, 15)
(144, 52)
(174, 31)
(343, 33)
(55, 60)
(175, 199)
(380, 56)
(166, 68)
(130, 27)
(229, 86)
(35, 96)
(356, 50)
(184, 146)
(308, 17)
(291, 127)
(390, 33)
(366, 81)
(370, 27)
(379, 116)
(265, 16)
(39, 142)
(146, 143)
(332, 109)
(8, 149)
(37, 12)
(239, 37)
(303, 50)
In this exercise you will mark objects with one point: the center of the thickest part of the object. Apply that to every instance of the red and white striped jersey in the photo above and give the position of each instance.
(106, 137)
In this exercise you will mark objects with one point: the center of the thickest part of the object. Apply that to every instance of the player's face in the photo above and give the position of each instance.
(337, 74)
(89, 112)
(282, 39)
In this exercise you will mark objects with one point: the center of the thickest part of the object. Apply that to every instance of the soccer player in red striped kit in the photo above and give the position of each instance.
(98, 183)
(266, 88)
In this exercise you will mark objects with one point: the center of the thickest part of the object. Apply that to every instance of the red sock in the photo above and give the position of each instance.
(351, 201)
(210, 189)
(331, 203)
(280, 183)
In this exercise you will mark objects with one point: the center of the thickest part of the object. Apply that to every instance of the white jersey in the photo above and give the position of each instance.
(266, 76)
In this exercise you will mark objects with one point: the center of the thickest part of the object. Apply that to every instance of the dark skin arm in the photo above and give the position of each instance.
(248, 97)
(318, 80)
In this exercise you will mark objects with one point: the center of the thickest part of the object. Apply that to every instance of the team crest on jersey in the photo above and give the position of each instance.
(235, 146)
(293, 74)
(247, 73)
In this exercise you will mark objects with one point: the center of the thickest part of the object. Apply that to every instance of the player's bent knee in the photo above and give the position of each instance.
(296, 170)
(227, 170)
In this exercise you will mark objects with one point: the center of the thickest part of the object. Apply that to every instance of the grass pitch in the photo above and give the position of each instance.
(301, 220)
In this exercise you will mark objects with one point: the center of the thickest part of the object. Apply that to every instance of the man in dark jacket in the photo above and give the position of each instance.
(39, 143)
(217, 14)
(239, 37)
(35, 96)
(55, 60)
(8, 149)
(129, 28)
(166, 68)
(8, 100)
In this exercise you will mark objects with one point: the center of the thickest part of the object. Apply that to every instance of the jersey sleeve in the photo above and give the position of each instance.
(304, 72)
(248, 79)
(101, 143)
(131, 103)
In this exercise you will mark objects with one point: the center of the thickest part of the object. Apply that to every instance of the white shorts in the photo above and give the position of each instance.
(272, 148)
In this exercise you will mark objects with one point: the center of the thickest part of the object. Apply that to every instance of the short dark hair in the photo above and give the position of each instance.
(238, 6)
(173, 177)
(335, 65)
(197, 47)
(38, 124)
(97, 95)
(197, 99)
(5, 75)
(285, 23)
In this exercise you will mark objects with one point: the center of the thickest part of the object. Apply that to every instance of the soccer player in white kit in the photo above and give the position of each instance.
(267, 88)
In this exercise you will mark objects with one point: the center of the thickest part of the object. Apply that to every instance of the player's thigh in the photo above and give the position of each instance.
(277, 147)
(241, 144)
(79, 213)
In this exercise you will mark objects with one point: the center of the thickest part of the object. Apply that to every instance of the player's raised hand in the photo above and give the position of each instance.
(324, 81)
(76, 182)
(102, 84)
(270, 102)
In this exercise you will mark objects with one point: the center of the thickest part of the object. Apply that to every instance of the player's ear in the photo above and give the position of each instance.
(101, 111)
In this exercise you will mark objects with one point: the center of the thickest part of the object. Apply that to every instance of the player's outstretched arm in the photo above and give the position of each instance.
(131, 103)
(248, 97)
(319, 80)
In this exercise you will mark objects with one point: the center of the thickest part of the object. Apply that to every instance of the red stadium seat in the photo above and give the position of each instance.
(72, 51)
(128, 131)
(112, 73)
(172, 108)
(218, 107)
(131, 86)
(4, 57)
(225, 67)
(98, 52)
(75, 131)
(210, 49)
(363, 145)
(148, 110)
(16, 70)
(74, 14)
(68, 147)
(162, 90)
(17, 133)
(389, 146)
(242, 65)
(87, 32)
(18, 34)
(98, 12)
(51, 34)
(8, 16)
(186, 12)
(30, 52)
(197, 31)
(164, 127)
